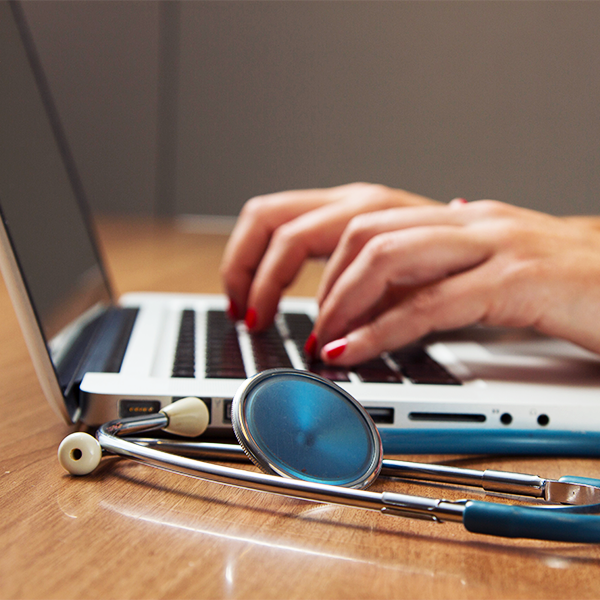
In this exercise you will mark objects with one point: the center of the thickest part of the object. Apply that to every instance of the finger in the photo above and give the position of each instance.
(313, 234)
(461, 300)
(409, 258)
(249, 240)
(363, 228)
(261, 216)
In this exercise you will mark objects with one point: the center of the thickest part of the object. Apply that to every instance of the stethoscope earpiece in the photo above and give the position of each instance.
(79, 453)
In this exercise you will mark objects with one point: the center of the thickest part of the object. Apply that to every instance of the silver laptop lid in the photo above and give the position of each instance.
(50, 259)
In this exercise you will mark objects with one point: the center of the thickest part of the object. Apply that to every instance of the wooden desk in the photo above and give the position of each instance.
(130, 531)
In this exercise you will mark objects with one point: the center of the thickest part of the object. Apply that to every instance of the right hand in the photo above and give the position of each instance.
(276, 233)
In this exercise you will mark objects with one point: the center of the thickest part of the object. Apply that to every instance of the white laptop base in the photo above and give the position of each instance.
(476, 391)
(520, 392)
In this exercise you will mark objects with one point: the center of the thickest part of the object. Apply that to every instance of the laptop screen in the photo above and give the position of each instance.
(39, 190)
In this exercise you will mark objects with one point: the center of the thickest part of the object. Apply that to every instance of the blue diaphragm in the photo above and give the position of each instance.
(299, 425)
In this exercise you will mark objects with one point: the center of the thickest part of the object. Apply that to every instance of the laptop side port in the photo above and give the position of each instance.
(227, 411)
(446, 417)
(381, 415)
(135, 408)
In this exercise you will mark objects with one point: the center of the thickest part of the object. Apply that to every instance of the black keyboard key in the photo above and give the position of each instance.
(184, 364)
(416, 365)
(223, 354)
(330, 372)
(300, 326)
(269, 351)
(376, 371)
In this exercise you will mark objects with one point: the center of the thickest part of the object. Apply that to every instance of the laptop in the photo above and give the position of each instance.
(99, 358)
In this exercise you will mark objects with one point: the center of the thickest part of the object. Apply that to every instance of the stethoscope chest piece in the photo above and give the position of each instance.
(298, 425)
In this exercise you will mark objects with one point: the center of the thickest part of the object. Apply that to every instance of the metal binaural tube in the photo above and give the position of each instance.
(401, 505)
(489, 480)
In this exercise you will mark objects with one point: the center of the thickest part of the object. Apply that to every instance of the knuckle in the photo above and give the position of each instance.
(255, 208)
(375, 337)
(427, 301)
(224, 271)
(367, 193)
(357, 233)
(375, 192)
(378, 251)
(511, 235)
(284, 236)
(357, 187)
(490, 208)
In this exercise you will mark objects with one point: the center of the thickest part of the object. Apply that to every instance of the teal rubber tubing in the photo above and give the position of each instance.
(463, 440)
(553, 524)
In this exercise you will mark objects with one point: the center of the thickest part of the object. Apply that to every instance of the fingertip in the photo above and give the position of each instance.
(310, 347)
(233, 311)
(251, 318)
(334, 350)
(456, 202)
(352, 349)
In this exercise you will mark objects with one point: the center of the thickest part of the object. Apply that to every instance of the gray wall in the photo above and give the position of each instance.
(195, 107)
(101, 59)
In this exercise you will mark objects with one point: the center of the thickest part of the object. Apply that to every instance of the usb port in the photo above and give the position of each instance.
(227, 411)
(381, 415)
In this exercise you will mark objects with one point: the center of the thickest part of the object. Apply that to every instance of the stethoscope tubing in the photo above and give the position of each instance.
(579, 524)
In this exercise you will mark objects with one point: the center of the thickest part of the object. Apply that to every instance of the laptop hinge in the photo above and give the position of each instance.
(99, 348)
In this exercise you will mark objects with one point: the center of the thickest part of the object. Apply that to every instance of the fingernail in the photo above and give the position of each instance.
(250, 318)
(458, 201)
(232, 310)
(334, 349)
(310, 346)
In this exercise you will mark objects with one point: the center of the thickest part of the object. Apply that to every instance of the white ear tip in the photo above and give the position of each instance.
(188, 417)
(79, 453)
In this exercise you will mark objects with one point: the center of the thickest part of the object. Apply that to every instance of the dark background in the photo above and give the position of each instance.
(191, 108)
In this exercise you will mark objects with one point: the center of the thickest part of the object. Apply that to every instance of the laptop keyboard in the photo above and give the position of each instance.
(224, 357)
(223, 353)
(184, 364)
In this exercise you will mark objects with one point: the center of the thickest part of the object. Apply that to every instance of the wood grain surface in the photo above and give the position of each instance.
(130, 531)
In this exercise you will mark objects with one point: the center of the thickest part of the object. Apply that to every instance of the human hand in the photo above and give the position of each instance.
(397, 275)
(276, 233)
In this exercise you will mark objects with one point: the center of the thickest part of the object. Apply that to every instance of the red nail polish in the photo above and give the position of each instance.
(460, 200)
(311, 345)
(250, 318)
(334, 349)
(232, 310)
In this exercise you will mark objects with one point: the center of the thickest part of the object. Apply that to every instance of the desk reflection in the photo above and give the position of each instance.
(244, 531)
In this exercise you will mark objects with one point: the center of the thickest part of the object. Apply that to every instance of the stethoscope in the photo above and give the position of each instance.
(316, 442)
